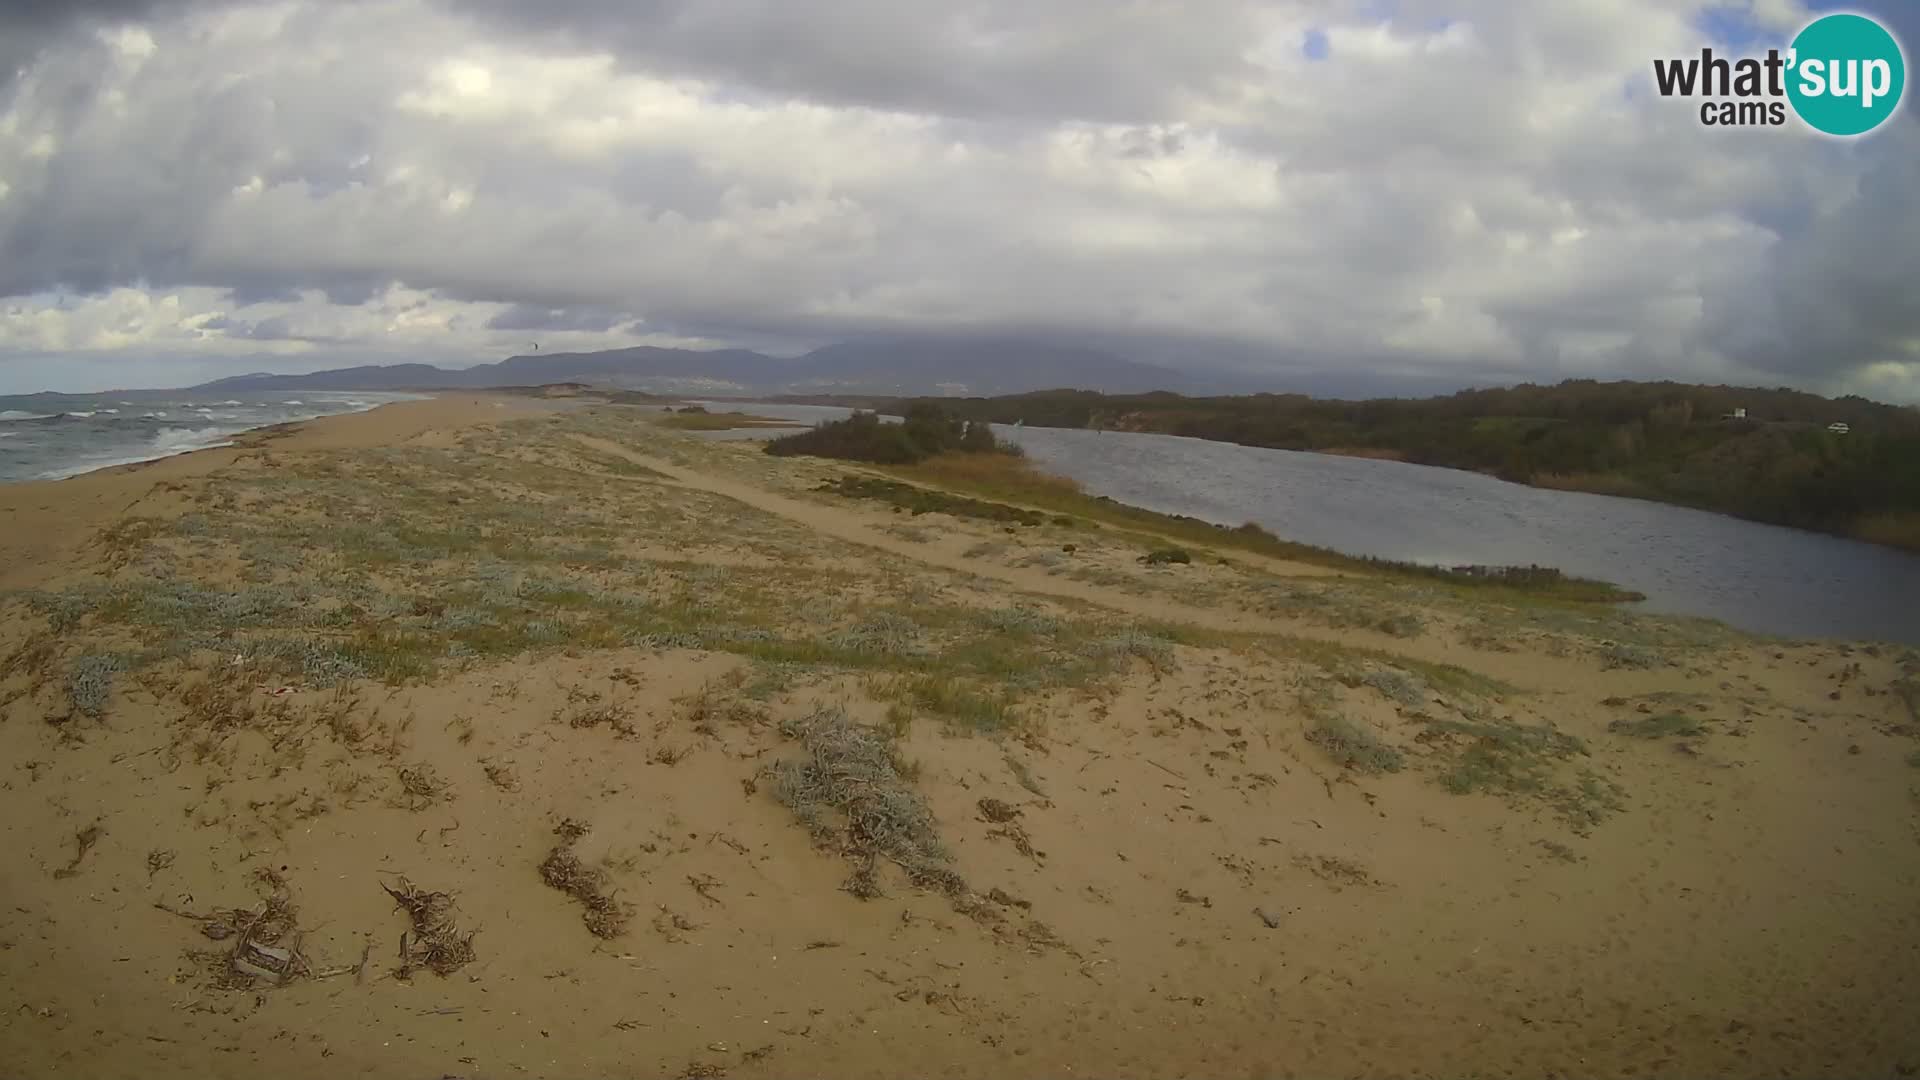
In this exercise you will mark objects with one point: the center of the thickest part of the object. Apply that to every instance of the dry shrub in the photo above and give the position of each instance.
(265, 941)
(562, 869)
(615, 716)
(434, 943)
(83, 842)
(219, 702)
(849, 793)
(420, 787)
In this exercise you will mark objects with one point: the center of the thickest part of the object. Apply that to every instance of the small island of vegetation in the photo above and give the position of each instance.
(928, 431)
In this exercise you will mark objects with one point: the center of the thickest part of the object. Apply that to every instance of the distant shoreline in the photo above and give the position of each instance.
(41, 519)
(171, 434)
(1674, 444)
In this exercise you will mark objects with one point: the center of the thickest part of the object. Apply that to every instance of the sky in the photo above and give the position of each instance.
(1449, 192)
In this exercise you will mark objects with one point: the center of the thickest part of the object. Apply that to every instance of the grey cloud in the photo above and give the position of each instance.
(1211, 219)
(28, 27)
(29, 14)
(1840, 288)
(1079, 58)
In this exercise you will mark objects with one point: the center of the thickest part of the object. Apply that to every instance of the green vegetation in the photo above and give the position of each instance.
(1528, 579)
(1636, 657)
(1908, 690)
(1397, 686)
(953, 698)
(850, 792)
(90, 683)
(1669, 442)
(1353, 748)
(414, 562)
(1167, 556)
(919, 500)
(1658, 727)
(1518, 760)
(927, 431)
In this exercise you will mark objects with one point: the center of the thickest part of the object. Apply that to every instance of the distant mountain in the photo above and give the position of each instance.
(369, 377)
(942, 368)
(973, 367)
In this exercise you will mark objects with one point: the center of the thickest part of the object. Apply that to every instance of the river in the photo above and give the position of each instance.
(1761, 578)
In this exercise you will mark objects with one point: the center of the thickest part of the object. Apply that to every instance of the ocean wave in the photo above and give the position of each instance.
(15, 414)
(153, 416)
(230, 403)
(77, 415)
(181, 440)
(168, 443)
(9, 434)
(293, 403)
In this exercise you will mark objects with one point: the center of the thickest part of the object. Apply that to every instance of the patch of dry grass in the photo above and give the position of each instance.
(605, 917)
(849, 791)
(434, 942)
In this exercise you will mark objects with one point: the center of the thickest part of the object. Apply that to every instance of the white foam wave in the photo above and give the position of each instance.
(15, 414)
(293, 403)
(80, 415)
(230, 403)
(166, 444)
(181, 440)
(9, 434)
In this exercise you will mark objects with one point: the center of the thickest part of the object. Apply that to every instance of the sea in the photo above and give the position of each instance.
(54, 436)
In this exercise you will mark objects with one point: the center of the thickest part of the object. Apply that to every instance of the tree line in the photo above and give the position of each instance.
(1670, 442)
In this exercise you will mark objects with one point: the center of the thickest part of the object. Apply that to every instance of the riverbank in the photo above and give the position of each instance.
(1842, 467)
(317, 709)
(1899, 530)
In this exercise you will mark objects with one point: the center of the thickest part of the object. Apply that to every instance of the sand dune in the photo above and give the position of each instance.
(723, 775)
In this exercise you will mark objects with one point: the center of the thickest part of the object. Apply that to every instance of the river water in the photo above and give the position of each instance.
(1762, 578)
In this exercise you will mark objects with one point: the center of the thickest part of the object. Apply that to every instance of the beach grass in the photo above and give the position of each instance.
(401, 565)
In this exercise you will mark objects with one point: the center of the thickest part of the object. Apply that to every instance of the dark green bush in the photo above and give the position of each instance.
(1164, 556)
(927, 431)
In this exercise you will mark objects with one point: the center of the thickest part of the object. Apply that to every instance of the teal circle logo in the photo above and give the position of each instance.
(1846, 75)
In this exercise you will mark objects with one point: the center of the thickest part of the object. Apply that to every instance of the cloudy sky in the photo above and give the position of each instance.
(1460, 190)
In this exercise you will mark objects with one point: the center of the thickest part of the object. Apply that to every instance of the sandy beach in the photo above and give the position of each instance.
(487, 737)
